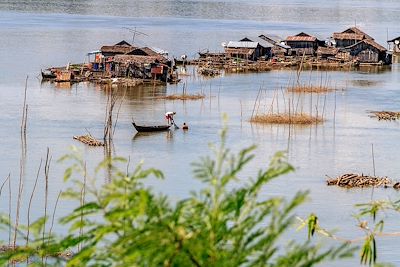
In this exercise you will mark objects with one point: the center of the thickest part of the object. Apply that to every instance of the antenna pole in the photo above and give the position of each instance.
(134, 34)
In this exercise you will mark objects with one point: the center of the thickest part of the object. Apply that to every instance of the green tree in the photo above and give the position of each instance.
(226, 223)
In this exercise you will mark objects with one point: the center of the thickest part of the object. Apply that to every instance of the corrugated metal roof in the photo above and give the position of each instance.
(369, 42)
(301, 38)
(347, 36)
(273, 37)
(357, 31)
(261, 41)
(234, 44)
(374, 44)
(283, 45)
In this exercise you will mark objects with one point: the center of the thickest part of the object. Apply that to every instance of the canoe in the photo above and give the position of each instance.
(155, 128)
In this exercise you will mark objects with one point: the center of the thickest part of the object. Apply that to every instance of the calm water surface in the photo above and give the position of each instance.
(39, 34)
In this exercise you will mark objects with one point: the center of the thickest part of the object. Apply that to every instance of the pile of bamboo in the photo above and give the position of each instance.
(351, 180)
(89, 140)
(208, 71)
(385, 115)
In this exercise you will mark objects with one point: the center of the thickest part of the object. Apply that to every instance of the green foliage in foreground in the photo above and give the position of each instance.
(226, 223)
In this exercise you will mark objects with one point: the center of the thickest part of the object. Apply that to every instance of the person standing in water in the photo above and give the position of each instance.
(169, 116)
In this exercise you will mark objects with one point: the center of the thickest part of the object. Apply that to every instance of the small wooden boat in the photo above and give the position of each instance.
(154, 128)
(48, 74)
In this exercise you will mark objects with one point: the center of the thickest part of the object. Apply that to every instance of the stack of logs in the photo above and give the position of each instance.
(385, 115)
(351, 180)
(89, 140)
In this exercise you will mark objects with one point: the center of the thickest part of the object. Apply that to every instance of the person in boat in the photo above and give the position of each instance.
(169, 116)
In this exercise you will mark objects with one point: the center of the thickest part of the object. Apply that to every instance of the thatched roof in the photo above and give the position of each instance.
(117, 49)
(138, 59)
(260, 41)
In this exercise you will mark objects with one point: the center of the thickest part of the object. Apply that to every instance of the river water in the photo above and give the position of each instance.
(39, 34)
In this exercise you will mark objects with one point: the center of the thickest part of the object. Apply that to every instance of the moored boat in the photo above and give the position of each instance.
(48, 74)
(151, 128)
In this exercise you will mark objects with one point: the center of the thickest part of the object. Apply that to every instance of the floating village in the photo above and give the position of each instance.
(131, 65)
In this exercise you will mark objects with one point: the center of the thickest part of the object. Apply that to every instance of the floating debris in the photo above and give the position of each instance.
(385, 115)
(364, 83)
(183, 97)
(208, 71)
(351, 180)
(315, 89)
(286, 118)
(89, 140)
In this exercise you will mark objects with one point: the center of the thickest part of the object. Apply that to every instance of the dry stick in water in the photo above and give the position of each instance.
(373, 158)
(5, 181)
(20, 190)
(271, 107)
(241, 111)
(301, 67)
(334, 113)
(284, 99)
(255, 103)
(277, 100)
(317, 106)
(323, 108)
(259, 103)
(108, 132)
(119, 108)
(24, 110)
(30, 203)
(83, 194)
(54, 213)
(9, 211)
(9, 214)
(373, 165)
(46, 177)
(52, 222)
(210, 96)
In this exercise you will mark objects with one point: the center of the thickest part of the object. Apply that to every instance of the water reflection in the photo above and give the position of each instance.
(168, 135)
(365, 83)
(134, 93)
(341, 144)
